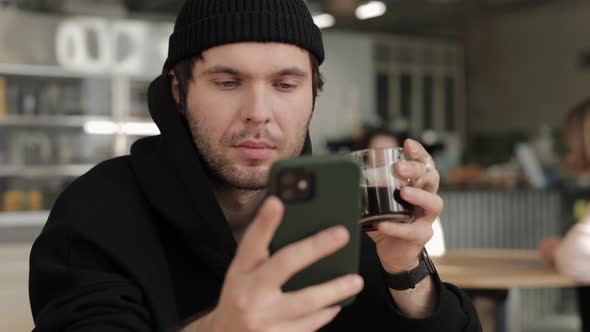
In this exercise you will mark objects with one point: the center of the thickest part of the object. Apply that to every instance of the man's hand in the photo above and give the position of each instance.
(252, 299)
(399, 245)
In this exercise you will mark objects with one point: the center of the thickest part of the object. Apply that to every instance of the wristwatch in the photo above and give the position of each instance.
(409, 279)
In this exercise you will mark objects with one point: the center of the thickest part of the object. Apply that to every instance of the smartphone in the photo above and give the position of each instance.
(318, 192)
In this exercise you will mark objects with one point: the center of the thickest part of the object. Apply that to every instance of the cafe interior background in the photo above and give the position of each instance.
(482, 83)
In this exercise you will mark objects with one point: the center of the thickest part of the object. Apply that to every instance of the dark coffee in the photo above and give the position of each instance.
(383, 203)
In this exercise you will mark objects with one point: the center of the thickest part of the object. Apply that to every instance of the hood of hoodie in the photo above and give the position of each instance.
(173, 177)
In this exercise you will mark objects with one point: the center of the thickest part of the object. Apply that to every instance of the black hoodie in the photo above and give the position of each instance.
(140, 243)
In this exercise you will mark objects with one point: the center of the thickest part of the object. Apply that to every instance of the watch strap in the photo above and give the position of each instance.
(409, 279)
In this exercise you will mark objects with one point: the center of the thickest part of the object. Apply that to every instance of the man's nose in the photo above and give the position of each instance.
(256, 107)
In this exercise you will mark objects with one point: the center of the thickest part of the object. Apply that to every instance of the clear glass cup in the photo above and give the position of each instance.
(380, 188)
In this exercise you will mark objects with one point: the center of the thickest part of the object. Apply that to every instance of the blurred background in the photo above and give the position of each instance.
(483, 84)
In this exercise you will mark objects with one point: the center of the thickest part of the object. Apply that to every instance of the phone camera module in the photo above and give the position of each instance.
(296, 185)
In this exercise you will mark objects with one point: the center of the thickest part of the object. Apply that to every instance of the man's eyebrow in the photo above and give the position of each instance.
(291, 71)
(221, 70)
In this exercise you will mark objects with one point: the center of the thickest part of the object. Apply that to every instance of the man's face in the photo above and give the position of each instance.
(248, 105)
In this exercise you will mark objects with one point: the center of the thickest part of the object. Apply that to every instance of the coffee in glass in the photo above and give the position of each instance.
(380, 188)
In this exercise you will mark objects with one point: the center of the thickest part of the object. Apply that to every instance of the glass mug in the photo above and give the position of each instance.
(381, 198)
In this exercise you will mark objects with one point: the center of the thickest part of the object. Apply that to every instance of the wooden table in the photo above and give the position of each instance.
(498, 274)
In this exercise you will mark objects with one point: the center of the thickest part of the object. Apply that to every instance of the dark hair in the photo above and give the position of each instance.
(575, 130)
(373, 132)
(183, 71)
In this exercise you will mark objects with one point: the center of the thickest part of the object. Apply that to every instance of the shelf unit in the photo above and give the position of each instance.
(123, 112)
(44, 171)
(23, 219)
(58, 72)
(72, 121)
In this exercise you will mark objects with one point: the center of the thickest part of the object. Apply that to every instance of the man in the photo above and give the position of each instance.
(170, 237)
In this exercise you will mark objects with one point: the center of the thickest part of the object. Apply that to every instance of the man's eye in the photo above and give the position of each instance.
(285, 86)
(227, 84)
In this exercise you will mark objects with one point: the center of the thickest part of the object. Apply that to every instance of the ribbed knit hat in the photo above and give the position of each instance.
(202, 24)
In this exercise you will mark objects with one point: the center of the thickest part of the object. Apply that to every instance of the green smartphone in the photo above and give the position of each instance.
(318, 192)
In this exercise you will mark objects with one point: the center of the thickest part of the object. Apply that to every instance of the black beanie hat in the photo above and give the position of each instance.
(202, 24)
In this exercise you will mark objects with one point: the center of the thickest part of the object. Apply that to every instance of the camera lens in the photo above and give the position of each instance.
(288, 179)
(302, 185)
(288, 195)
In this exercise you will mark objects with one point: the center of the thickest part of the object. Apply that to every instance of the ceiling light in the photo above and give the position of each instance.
(324, 20)
(370, 9)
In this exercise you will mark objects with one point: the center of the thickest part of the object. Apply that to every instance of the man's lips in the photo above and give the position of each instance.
(256, 150)
(255, 145)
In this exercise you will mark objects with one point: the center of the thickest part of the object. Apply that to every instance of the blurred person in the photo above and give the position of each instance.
(571, 254)
(381, 138)
(171, 238)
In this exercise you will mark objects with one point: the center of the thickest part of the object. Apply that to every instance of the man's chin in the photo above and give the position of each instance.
(249, 177)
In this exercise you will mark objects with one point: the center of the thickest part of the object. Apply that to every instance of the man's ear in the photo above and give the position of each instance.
(175, 86)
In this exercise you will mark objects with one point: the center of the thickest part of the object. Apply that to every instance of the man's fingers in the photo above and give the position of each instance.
(312, 322)
(417, 232)
(313, 298)
(419, 174)
(432, 182)
(420, 167)
(430, 203)
(253, 248)
(301, 254)
(408, 169)
(414, 150)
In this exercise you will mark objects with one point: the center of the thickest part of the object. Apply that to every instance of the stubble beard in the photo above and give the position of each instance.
(231, 175)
